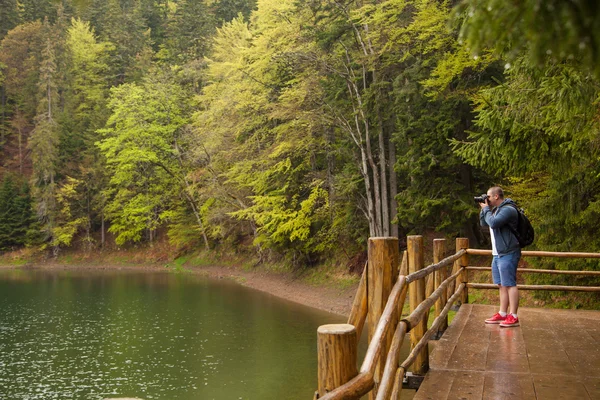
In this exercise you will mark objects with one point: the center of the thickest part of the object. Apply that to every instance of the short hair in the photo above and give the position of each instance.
(497, 190)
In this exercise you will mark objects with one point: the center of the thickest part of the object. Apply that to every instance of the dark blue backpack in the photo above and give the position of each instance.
(524, 232)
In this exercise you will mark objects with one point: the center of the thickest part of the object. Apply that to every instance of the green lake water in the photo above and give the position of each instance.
(99, 334)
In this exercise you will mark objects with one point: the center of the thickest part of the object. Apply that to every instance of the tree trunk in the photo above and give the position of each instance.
(197, 215)
(393, 188)
(102, 234)
(385, 209)
(330, 167)
(188, 195)
(370, 204)
(20, 138)
(376, 183)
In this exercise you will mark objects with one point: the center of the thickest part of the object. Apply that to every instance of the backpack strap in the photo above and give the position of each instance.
(510, 228)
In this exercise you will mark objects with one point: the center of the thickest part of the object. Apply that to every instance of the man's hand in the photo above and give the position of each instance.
(483, 205)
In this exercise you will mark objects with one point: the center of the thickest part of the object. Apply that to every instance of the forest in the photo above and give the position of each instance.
(295, 129)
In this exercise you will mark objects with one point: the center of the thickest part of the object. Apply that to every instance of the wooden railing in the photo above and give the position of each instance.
(380, 300)
(383, 376)
(540, 271)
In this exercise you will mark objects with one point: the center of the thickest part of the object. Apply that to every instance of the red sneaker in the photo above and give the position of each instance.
(495, 319)
(510, 321)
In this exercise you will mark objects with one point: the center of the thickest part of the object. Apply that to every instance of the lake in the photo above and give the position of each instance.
(96, 334)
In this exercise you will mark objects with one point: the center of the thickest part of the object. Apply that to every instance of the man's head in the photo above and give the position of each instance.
(495, 196)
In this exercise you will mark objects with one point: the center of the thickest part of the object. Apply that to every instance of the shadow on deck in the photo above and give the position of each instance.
(553, 354)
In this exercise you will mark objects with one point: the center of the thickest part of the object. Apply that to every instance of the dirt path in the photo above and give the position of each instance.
(286, 286)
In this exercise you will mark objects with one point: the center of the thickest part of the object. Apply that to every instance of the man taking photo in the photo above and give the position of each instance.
(499, 214)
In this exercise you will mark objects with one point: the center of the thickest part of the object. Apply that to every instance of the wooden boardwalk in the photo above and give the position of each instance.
(554, 354)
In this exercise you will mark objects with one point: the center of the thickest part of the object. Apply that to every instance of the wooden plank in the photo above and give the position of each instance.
(563, 387)
(438, 384)
(541, 338)
(447, 343)
(467, 385)
(508, 387)
(549, 360)
(586, 362)
(592, 385)
(589, 323)
(595, 334)
(505, 361)
(469, 354)
(582, 342)
(554, 354)
(526, 384)
(508, 340)
(484, 311)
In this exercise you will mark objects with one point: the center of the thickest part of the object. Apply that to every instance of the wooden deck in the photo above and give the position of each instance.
(554, 354)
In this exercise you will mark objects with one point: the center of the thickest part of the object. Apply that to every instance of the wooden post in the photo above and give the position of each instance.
(429, 285)
(382, 274)
(439, 251)
(336, 344)
(463, 243)
(417, 295)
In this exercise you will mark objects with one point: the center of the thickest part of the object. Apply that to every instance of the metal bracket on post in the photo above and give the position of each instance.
(412, 381)
(437, 336)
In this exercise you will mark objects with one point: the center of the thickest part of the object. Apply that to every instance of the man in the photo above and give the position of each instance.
(498, 214)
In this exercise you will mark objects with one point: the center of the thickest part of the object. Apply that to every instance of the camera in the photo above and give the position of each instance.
(481, 199)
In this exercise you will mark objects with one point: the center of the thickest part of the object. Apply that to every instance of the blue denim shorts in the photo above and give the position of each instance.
(504, 268)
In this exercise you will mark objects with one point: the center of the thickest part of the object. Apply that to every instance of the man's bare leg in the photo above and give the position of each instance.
(504, 299)
(513, 299)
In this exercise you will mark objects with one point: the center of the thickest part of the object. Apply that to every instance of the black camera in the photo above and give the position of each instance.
(481, 199)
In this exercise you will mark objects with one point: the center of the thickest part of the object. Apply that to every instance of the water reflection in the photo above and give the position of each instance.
(91, 334)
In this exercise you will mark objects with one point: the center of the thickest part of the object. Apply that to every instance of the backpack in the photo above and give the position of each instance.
(524, 232)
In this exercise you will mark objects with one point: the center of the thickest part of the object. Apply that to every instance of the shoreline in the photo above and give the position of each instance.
(282, 285)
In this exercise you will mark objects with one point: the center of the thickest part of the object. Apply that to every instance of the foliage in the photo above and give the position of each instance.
(432, 106)
(20, 52)
(560, 30)
(538, 127)
(16, 214)
(144, 149)
(263, 128)
(292, 128)
(9, 16)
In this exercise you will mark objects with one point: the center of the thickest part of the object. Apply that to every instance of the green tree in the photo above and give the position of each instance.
(262, 127)
(144, 148)
(16, 214)
(44, 143)
(555, 29)
(124, 26)
(189, 31)
(227, 10)
(434, 78)
(85, 111)
(362, 51)
(155, 13)
(37, 10)
(20, 52)
(541, 123)
(87, 90)
(9, 16)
